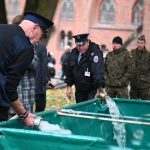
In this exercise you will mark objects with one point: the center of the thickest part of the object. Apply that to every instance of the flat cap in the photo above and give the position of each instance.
(43, 22)
(80, 39)
(141, 38)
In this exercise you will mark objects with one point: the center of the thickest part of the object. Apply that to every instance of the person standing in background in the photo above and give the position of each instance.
(104, 50)
(118, 70)
(42, 78)
(140, 83)
(51, 65)
(64, 61)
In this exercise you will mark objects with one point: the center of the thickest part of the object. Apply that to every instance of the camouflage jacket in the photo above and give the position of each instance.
(118, 68)
(141, 76)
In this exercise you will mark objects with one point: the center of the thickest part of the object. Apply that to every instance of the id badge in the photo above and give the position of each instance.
(87, 74)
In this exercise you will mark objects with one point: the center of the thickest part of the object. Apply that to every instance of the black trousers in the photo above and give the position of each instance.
(82, 96)
(40, 102)
(3, 113)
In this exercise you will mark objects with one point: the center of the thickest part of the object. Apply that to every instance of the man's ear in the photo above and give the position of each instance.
(35, 26)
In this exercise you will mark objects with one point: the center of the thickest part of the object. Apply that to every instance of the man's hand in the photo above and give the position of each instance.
(29, 120)
(69, 92)
(102, 90)
(101, 93)
(51, 84)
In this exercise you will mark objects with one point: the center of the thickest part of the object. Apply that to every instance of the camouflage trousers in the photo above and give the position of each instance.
(114, 92)
(143, 94)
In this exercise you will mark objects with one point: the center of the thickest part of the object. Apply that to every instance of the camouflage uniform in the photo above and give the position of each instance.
(140, 83)
(118, 68)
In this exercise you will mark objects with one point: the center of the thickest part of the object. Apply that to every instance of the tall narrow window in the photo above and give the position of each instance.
(62, 39)
(69, 38)
(68, 10)
(138, 13)
(107, 14)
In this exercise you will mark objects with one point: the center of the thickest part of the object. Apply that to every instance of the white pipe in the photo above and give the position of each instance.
(105, 119)
(70, 111)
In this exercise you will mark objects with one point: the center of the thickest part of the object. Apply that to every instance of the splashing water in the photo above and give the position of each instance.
(52, 128)
(138, 137)
(118, 128)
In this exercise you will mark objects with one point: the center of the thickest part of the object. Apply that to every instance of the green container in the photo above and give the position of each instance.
(87, 133)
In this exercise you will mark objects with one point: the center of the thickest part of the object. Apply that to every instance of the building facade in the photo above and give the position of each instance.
(102, 19)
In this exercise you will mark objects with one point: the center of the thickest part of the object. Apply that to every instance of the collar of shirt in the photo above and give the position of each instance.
(80, 56)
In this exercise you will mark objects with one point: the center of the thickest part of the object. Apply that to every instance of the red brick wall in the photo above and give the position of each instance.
(146, 23)
(86, 20)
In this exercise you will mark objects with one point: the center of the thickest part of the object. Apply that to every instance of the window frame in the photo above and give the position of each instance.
(68, 10)
(138, 9)
(105, 16)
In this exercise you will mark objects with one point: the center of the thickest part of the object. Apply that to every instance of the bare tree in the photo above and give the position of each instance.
(44, 7)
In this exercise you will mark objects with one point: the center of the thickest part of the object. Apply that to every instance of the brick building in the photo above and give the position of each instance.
(102, 19)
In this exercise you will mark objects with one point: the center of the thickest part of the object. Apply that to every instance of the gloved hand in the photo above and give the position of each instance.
(29, 120)
(101, 93)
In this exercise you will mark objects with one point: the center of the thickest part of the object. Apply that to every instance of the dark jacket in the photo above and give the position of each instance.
(91, 62)
(141, 76)
(16, 54)
(42, 69)
(64, 61)
(51, 65)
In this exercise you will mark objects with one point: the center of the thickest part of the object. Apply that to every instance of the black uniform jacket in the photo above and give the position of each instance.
(89, 73)
(16, 54)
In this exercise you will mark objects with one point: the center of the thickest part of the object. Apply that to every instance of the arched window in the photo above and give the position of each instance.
(68, 10)
(65, 39)
(107, 14)
(138, 13)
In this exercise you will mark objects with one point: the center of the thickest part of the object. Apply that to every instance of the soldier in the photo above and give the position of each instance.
(140, 83)
(118, 69)
(85, 69)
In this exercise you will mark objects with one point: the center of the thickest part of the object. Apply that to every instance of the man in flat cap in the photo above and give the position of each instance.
(118, 69)
(85, 69)
(16, 54)
(26, 87)
(140, 83)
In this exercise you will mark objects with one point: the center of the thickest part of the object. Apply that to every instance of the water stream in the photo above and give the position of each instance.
(52, 128)
(118, 128)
